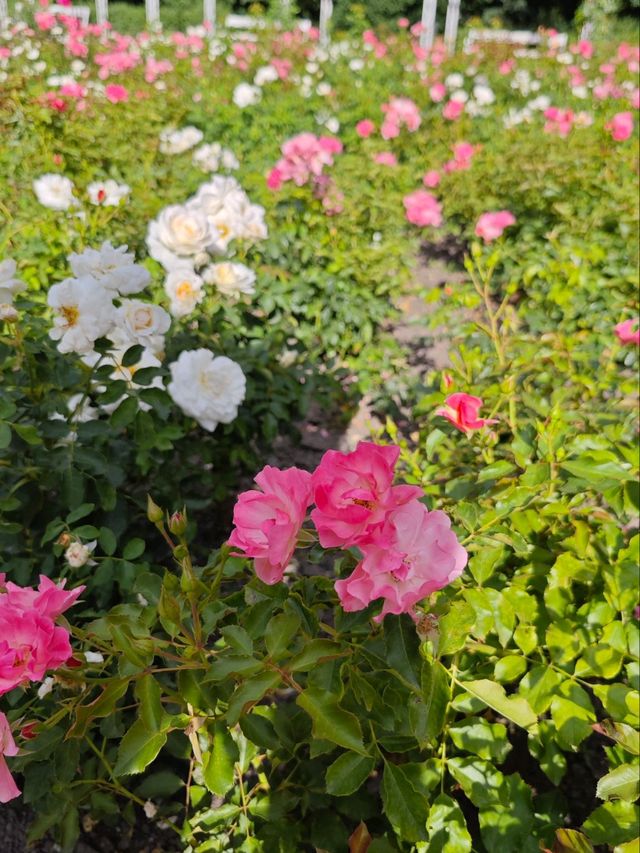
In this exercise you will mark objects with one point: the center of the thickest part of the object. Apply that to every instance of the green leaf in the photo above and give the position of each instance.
(125, 413)
(484, 739)
(510, 668)
(623, 783)
(626, 736)
(435, 696)
(348, 773)
(454, 628)
(133, 549)
(495, 471)
(446, 826)
(132, 356)
(238, 639)
(406, 809)
(28, 433)
(571, 841)
(514, 708)
(401, 645)
(138, 749)
(148, 695)
(249, 693)
(107, 540)
(5, 435)
(330, 721)
(613, 823)
(480, 780)
(230, 664)
(80, 512)
(279, 633)
(317, 651)
(219, 764)
(572, 715)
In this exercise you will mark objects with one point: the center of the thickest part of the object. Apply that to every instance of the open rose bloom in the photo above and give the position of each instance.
(491, 225)
(405, 551)
(462, 410)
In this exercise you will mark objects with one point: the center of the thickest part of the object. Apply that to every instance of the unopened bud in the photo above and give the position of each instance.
(64, 539)
(154, 512)
(8, 313)
(178, 522)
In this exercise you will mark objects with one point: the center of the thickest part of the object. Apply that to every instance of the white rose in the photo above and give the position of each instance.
(266, 74)
(206, 388)
(181, 230)
(9, 284)
(107, 193)
(231, 279)
(84, 313)
(137, 322)
(207, 156)
(78, 554)
(454, 81)
(54, 191)
(178, 141)
(113, 268)
(245, 95)
(184, 288)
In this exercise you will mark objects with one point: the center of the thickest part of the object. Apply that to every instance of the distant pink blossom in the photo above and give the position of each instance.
(437, 92)
(399, 112)
(559, 121)
(462, 410)
(453, 109)
(422, 208)
(304, 157)
(621, 126)
(116, 93)
(507, 66)
(267, 522)
(365, 128)
(491, 225)
(432, 178)
(628, 331)
(386, 158)
(403, 23)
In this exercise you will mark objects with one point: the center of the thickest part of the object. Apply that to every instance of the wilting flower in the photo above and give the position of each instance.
(267, 522)
(491, 225)
(113, 268)
(628, 332)
(54, 191)
(185, 289)
(207, 388)
(353, 493)
(84, 313)
(462, 410)
(8, 788)
(417, 555)
(231, 279)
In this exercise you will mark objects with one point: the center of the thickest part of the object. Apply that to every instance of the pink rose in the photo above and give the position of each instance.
(437, 92)
(416, 555)
(621, 126)
(423, 209)
(386, 158)
(432, 178)
(48, 600)
(353, 493)
(115, 93)
(453, 110)
(462, 410)
(274, 179)
(628, 332)
(491, 225)
(31, 644)
(365, 128)
(8, 788)
(267, 522)
(403, 23)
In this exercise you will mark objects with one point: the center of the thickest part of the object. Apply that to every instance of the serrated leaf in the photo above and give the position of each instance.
(279, 633)
(348, 773)
(406, 809)
(138, 749)
(330, 721)
(623, 783)
(148, 695)
(317, 651)
(219, 765)
(514, 708)
(446, 827)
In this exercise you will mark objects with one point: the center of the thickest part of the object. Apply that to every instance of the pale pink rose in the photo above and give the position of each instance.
(365, 128)
(8, 788)
(115, 93)
(462, 410)
(491, 225)
(437, 92)
(559, 121)
(417, 554)
(305, 156)
(386, 158)
(506, 67)
(267, 522)
(399, 112)
(431, 178)
(628, 332)
(403, 23)
(389, 130)
(353, 493)
(453, 109)
(423, 209)
(621, 126)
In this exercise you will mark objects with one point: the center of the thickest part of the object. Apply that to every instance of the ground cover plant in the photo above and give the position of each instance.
(429, 639)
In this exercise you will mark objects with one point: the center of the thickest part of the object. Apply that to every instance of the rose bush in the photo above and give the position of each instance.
(428, 642)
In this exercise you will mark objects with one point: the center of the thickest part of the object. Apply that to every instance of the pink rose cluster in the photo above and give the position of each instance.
(30, 645)
(406, 551)
(398, 113)
(491, 225)
(559, 121)
(621, 126)
(304, 158)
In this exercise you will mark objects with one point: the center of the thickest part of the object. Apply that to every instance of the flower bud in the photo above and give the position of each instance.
(8, 313)
(178, 522)
(154, 512)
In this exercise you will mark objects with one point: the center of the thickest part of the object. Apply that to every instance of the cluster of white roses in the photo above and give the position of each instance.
(96, 303)
(189, 240)
(57, 192)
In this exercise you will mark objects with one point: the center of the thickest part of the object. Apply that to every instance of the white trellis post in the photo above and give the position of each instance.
(326, 10)
(428, 22)
(152, 10)
(209, 14)
(451, 25)
(102, 11)
(4, 12)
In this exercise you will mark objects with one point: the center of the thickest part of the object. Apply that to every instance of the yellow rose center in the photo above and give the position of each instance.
(184, 290)
(70, 314)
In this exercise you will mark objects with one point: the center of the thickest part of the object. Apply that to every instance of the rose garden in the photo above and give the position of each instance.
(318, 438)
